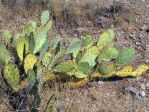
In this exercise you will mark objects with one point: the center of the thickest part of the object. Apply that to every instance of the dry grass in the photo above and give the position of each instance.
(76, 7)
(78, 10)
(75, 12)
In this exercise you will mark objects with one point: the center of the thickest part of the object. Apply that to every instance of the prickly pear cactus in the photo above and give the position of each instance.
(29, 28)
(83, 70)
(40, 34)
(107, 70)
(29, 62)
(45, 15)
(12, 76)
(89, 60)
(106, 38)
(22, 47)
(56, 59)
(7, 36)
(90, 56)
(109, 54)
(87, 41)
(129, 71)
(74, 47)
(5, 55)
(126, 56)
(64, 67)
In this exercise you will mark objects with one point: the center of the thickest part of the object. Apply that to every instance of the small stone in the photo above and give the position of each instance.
(94, 93)
(138, 97)
(143, 86)
(100, 82)
(145, 28)
(138, 43)
(130, 80)
(147, 85)
(132, 90)
(146, 21)
(119, 34)
(75, 34)
(142, 93)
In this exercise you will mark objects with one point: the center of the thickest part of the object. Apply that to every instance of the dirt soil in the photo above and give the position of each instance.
(132, 29)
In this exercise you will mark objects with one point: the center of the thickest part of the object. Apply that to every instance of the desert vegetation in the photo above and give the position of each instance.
(39, 66)
(29, 61)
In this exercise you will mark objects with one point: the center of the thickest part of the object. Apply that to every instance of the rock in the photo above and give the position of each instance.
(2, 16)
(94, 93)
(142, 93)
(138, 94)
(147, 85)
(143, 86)
(146, 21)
(145, 28)
(137, 97)
(100, 82)
(138, 43)
(119, 33)
(132, 90)
(130, 80)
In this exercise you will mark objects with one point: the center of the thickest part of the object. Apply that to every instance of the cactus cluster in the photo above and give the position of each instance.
(36, 58)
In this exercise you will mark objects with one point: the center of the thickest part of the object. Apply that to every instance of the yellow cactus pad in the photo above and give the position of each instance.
(140, 70)
(96, 74)
(49, 77)
(21, 46)
(77, 84)
(29, 62)
(106, 70)
(126, 71)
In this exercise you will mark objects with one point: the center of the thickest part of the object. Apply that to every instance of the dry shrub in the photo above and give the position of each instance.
(74, 12)
(76, 9)
(57, 6)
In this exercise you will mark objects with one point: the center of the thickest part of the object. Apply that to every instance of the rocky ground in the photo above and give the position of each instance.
(111, 95)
